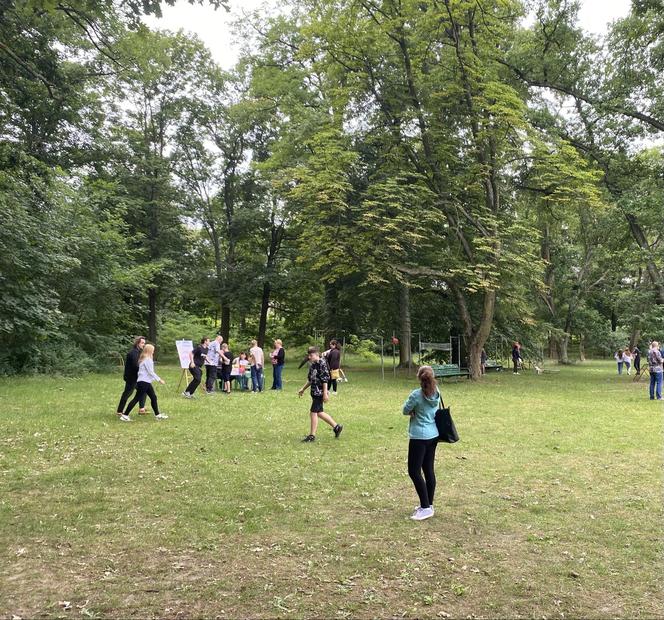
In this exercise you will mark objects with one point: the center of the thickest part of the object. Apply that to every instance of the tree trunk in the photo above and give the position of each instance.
(634, 337)
(152, 315)
(405, 352)
(653, 270)
(225, 322)
(262, 322)
(614, 320)
(331, 320)
(563, 344)
(582, 348)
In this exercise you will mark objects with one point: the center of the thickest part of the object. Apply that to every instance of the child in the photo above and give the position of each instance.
(243, 363)
(318, 378)
(146, 375)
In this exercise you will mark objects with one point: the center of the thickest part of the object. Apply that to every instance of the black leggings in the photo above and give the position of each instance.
(332, 385)
(144, 388)
(196, 374)
(421, 457)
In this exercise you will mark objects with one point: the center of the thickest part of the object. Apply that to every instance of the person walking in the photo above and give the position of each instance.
(146, 375)
(278, 358)
(627, 359)
(655, 368)
(421, 406)
(257, 359)
(196, 362)
(318, 378)
(333, 359)
(516, 356)
(211, 363)
(130, 375)
(618, 356)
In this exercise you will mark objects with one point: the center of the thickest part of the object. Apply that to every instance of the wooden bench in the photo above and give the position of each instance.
(493, 365)
(441, 371)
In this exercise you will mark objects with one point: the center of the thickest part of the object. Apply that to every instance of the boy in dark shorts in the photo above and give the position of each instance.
(318, 378)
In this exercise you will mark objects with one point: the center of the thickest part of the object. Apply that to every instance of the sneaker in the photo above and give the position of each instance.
(161, 416)
(337, 430)
(187, 395)
(422, 513)
(309, 439)
(125, 418)
(142, 412)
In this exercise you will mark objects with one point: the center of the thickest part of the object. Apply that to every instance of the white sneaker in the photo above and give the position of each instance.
(422, 513)
(161, 416)
(125, 418)
(187, 395)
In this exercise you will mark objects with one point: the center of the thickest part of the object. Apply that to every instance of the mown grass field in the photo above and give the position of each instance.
(550, 506)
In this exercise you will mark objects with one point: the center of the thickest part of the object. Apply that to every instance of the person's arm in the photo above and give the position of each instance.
(303, 388)
(149, 367)
(191, 359)
(409, 405)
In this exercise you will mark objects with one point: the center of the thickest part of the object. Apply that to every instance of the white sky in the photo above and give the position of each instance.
(214, 27)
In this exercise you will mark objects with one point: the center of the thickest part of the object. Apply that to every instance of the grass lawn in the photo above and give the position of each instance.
(549, 506)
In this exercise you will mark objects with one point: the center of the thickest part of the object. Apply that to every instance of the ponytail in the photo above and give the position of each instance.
(427, 380)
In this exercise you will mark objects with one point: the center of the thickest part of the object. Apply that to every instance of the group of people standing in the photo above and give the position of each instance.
(626, 358)
(219, 362)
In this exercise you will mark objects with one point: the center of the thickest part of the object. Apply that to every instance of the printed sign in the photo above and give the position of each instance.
(185, 347)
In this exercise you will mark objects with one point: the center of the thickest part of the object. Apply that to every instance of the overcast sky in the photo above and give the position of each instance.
(214, 27)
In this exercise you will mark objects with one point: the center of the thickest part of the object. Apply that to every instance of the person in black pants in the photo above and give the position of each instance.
(333, 359)
(637, 359)
(196, 362)
(131, 374)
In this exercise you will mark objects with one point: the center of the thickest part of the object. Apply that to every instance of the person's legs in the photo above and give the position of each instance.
(196, 375)
(210, 376)
(627, 366)
(659, 376)
(516, 366)
(653, 379)
(416, 452)
(130, 386)
(279, 370)
(152, 395)
(313, 427)
(141, 389)
(428, 468)
(326, 417)
(274, 377)
(333, 385)
(261, 379)
(620, 365)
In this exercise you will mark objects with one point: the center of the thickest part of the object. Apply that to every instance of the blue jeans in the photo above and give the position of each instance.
(620, 365)
(656, 385)
(276, 377)
(256, 378)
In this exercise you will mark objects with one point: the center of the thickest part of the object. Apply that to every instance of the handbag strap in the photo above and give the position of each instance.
(440, 399)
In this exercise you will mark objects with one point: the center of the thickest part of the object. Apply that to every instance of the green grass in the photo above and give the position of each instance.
(550, 506)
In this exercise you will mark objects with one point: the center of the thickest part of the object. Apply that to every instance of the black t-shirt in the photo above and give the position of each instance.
(199, 355)
(334, 359)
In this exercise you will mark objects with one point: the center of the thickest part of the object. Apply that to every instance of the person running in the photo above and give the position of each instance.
(618, 356)
(421, 406)
(131, 373)
(225, 363)
(277, 357)
(211, 363)
(257, 359)
(333, 359)
(318, 377)
(655, 368)
(146, 375)
(196, 362)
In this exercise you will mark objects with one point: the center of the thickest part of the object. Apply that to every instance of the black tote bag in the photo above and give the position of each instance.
(447, 432)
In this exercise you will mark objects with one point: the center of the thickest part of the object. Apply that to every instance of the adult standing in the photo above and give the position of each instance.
(483, 359)
(637, 360)
(196, 362)
(211, 363)
(225, 363)
(516, 356)
(131, 373)
(333, 360)
(655, 368)
(278, 358)
(257, 359)
(421, 406)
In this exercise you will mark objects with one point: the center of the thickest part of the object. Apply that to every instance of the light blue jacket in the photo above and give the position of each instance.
(423, 424)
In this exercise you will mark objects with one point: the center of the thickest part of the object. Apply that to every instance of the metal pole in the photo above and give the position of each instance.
(343, 351)
(382, 357)
(394, 359)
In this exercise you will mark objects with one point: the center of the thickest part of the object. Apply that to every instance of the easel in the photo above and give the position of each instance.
(184, 347)
(183, 375)
(638, 375)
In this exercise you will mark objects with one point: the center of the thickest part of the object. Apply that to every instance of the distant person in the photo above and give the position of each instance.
(516, 357)
(483, 359)
(318, 377)
(421, 406)
(211, 363)
(636, 354)
(627, 359)
(333, 359)
(225, 362)
(196, 362)
(131, 373)
(146, 375)
(278, 358)
(655, 368)
(239, 369)
(257, 360)
(618, 356)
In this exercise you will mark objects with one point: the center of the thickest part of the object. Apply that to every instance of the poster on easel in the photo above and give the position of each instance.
(185, 347)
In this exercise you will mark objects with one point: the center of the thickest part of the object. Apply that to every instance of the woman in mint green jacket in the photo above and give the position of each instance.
(421, 406)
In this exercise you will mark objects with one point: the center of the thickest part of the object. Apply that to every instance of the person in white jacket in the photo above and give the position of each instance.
(146, 375)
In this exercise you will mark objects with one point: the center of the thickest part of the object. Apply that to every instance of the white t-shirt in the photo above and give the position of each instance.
(257, 353)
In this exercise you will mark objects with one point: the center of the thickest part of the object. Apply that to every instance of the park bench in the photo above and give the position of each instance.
(441, 371)
(493, 365)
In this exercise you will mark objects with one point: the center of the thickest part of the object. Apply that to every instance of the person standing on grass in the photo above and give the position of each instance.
(627, 359)
(196, 362)
(655, 368)
(483, 362)
(333, 359)
(636, 353)
(131, 373)
(278, 358)
(421, 406)
(211, 363)
(257, 359)
(318, 377)
(516, 356)
(619, 358)
(225, 362)
(146, 375)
